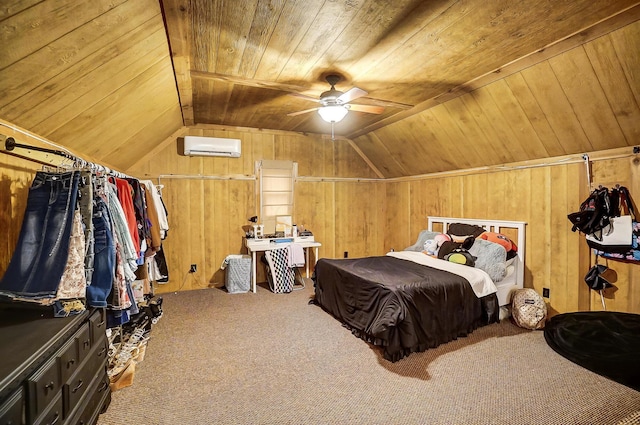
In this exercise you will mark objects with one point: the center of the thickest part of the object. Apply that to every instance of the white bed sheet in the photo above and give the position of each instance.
(480, 281)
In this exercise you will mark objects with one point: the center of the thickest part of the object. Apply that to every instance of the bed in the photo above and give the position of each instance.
(407, 301)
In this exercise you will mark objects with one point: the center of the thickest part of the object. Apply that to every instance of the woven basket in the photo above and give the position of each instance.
(528, 309)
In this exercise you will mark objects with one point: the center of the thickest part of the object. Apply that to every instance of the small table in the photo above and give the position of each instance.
(258, 245)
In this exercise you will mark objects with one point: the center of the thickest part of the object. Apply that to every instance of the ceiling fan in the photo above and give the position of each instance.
(335, 104)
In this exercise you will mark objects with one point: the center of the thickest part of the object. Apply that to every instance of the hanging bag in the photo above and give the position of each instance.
(630, 252)
(617, 236)
(596, 280)
(593, 215)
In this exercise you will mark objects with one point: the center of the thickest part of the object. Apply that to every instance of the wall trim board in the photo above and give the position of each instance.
(617, 153)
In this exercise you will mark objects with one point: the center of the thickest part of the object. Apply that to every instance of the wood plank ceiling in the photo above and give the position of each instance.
(463, 83)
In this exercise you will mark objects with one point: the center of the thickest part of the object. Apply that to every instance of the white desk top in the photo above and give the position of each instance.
(266, 244)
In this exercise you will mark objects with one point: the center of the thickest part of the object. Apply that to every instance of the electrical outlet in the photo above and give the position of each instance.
(346, 254)
(545, 292)
(193, 268)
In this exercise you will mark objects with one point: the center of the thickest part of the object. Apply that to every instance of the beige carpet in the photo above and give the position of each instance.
(219, 358)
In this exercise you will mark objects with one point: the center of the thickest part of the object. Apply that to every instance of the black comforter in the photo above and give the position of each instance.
(400, 305)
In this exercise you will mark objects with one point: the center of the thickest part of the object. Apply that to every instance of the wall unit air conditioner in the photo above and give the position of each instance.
(211, 146)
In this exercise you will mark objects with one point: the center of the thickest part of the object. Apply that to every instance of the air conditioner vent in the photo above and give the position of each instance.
(212, 146)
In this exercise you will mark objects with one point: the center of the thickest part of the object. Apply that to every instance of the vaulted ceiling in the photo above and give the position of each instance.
(463, 83)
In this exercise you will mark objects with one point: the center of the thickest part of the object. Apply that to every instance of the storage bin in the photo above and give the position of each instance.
(238, 273)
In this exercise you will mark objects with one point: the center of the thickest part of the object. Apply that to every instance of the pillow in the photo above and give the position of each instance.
(491, 258)
(460, 229)
(422, 238)
(501, 239)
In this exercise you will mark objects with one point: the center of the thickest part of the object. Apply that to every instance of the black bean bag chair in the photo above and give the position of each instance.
(604, 342)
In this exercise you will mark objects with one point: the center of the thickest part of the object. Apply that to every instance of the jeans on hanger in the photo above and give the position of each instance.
(40, 257)
(104, 258)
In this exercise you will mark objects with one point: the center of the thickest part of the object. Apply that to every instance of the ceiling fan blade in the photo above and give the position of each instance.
(366, 108)
(294, 114)
(304, 96)
(351, 94)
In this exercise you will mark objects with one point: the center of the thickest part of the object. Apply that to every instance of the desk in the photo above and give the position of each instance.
(257, 245)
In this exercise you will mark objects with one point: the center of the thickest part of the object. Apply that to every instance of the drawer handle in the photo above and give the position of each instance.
(99, 325)
(55, 419)
(71, 363)
(87, 343)
(51, 385)
(103, 387)
(77, 387)
(101, 353)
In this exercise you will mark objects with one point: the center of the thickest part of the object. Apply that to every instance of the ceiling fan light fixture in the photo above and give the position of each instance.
(333, 113)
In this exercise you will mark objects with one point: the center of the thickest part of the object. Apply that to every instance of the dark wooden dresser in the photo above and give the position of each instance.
(52, 370)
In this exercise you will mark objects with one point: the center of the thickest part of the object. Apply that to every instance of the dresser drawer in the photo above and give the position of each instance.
(43, 386)
(84, 341)
(78, 384)
(12, 410)
(53, 414)
(97, 400)
(68, 359)
(98, 325)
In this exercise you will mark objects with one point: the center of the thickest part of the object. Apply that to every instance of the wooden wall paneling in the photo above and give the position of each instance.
(611, 76)
(348, 163)
(146, 96)
(500, 144)
(16, 8)
(221, 229)
(477, 196)
(460, 131)
(547, 90)
(397, 224)
(485, 149)
(19, 78)
(438, 143)
(286, 37)
(526, 141)
(504, 136)
(390, 165)
(587, 98)
(359, 219)
(539, 246)
(16, 175)
(25, 31)
(144, 141)
(176, 244)
(562, 253)
(535, 115)
(314, 203)
(328, 230)
(89, 80)
(626, 42)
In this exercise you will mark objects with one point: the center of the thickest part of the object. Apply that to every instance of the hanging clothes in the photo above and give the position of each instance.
(161, 211)
(152, 213)
(40, 257)
(125, 196)
(105, 256)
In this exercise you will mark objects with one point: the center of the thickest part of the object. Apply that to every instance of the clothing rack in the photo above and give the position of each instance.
(10, 144)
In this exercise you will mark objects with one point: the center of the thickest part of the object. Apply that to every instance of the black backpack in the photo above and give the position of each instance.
(594, 213)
